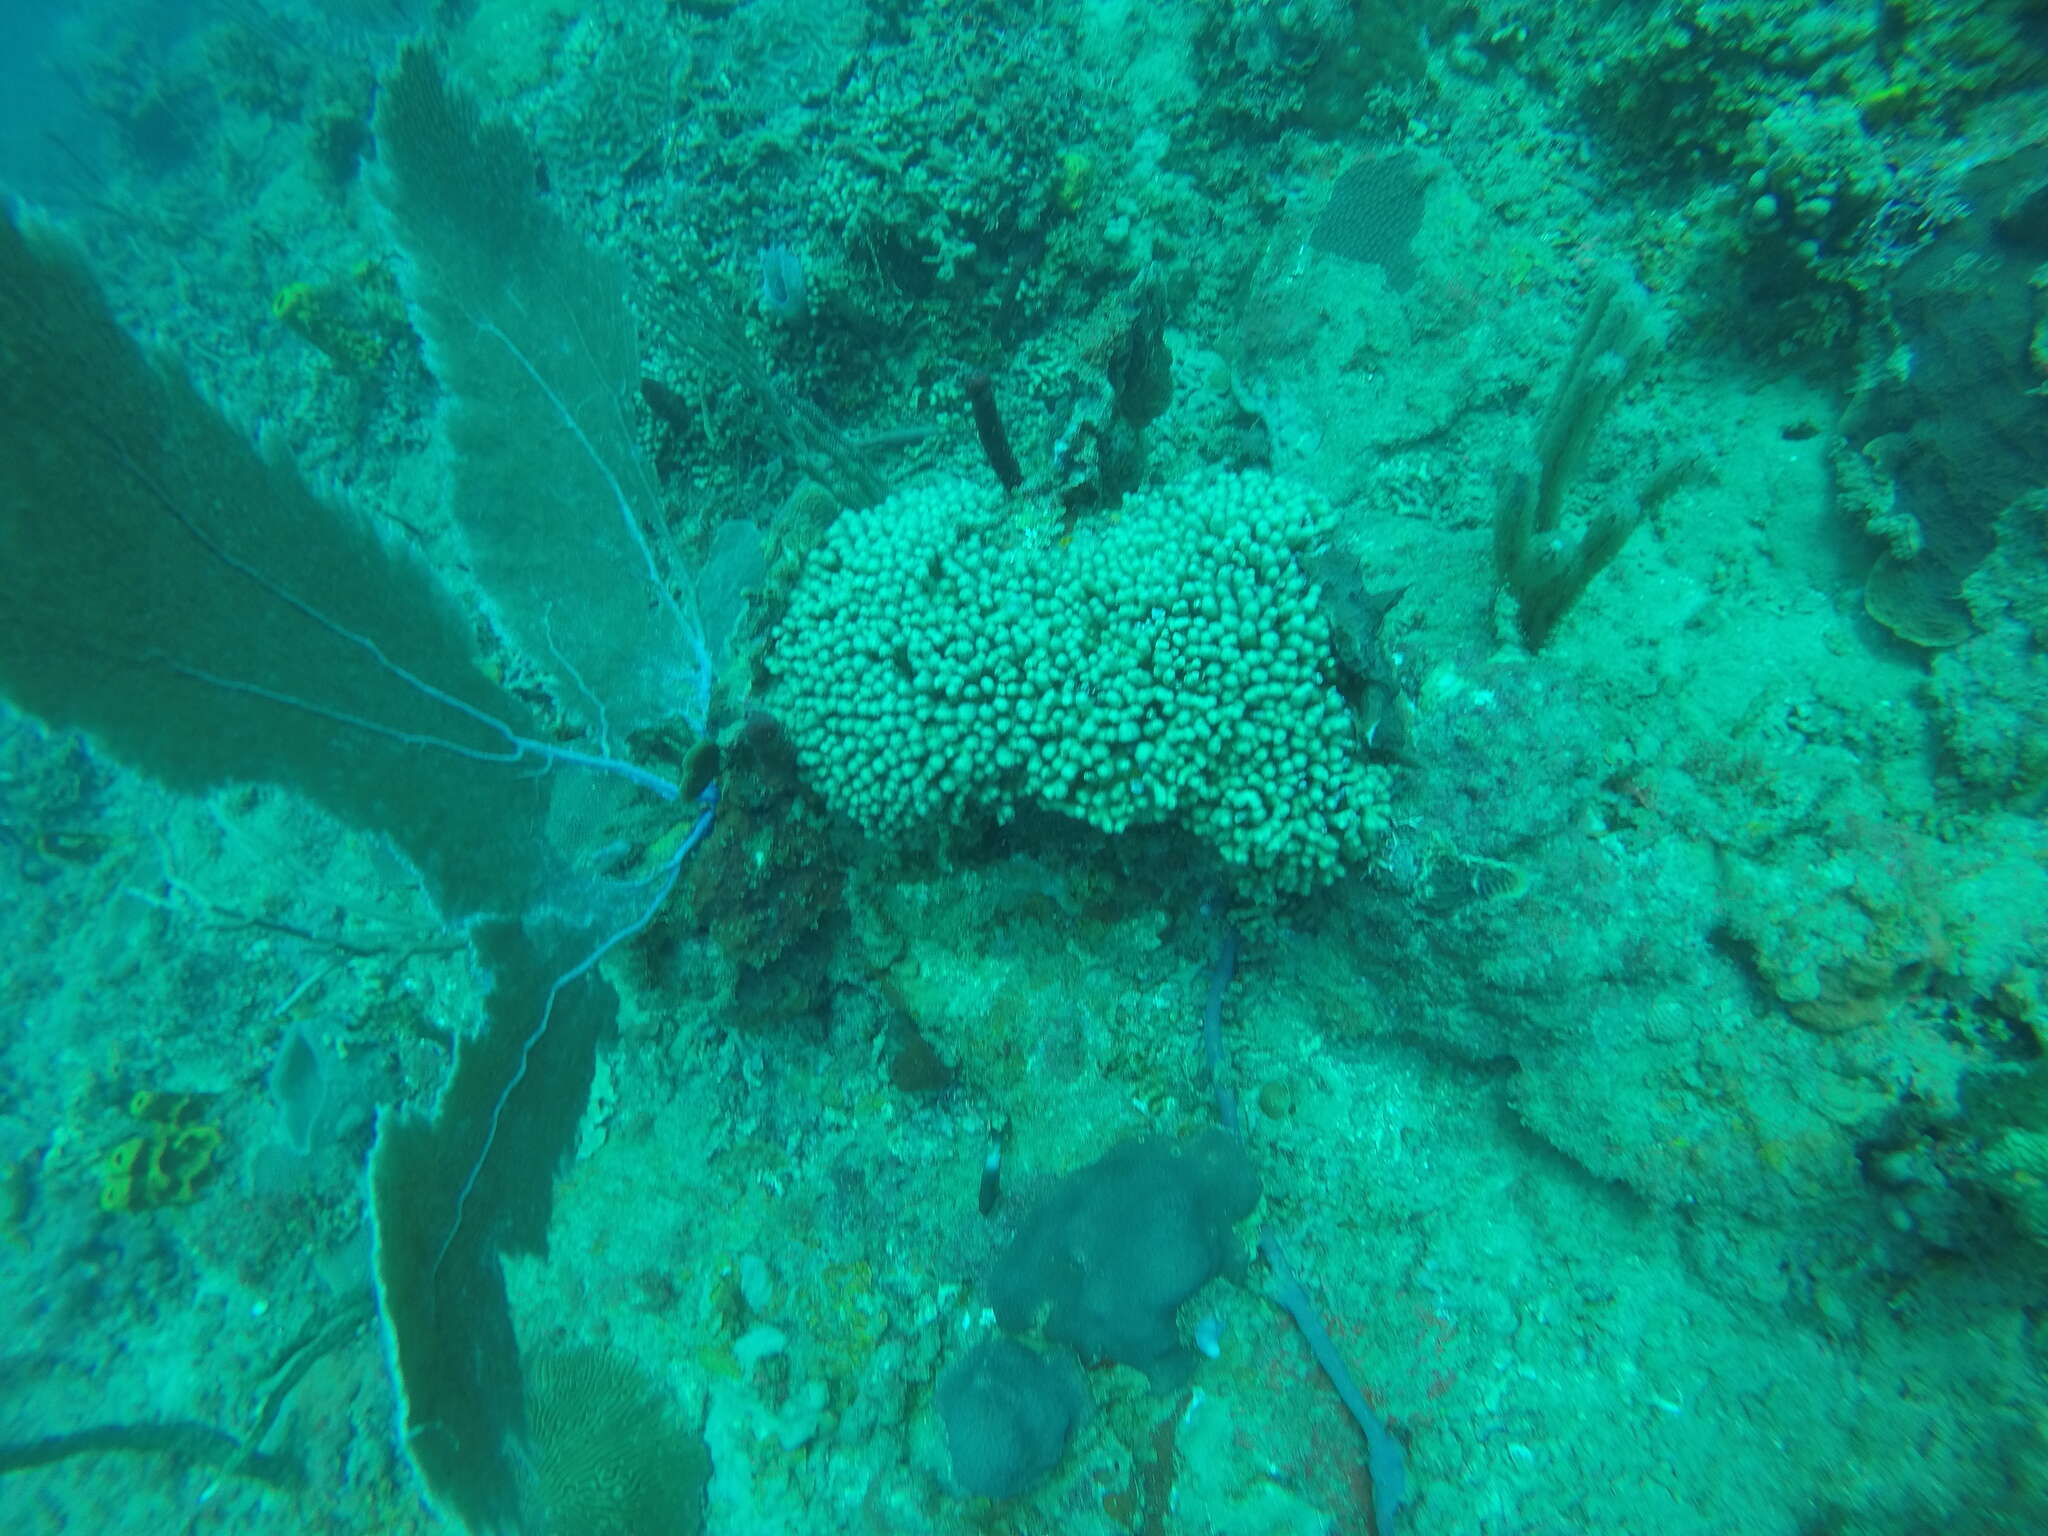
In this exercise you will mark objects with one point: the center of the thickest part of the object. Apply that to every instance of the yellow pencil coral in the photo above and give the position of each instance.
(167, 1163)
(352, 324)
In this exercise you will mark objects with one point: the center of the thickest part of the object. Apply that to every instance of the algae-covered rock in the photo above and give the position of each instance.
(1962, 431)
(1991, 692)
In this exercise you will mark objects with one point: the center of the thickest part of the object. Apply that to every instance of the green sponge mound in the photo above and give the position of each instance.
(943, 657)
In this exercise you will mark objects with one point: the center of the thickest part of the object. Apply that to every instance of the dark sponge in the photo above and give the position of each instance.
(1106, 1260)
(1008, 1412)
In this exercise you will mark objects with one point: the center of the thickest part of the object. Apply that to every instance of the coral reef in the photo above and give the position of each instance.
(1655, 1088)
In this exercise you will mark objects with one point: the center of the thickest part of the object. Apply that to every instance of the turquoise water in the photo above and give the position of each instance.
(1182, 769)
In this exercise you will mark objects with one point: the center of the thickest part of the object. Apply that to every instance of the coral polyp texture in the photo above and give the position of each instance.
(944, 658)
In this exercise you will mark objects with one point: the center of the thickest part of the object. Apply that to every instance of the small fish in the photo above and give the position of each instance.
(992, 1168)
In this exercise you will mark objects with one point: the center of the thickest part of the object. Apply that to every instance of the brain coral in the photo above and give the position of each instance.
(1170, 663)
(610, 1457)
